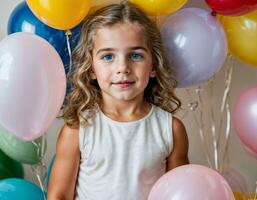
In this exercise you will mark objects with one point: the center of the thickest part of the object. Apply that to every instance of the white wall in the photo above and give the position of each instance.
(243, 77)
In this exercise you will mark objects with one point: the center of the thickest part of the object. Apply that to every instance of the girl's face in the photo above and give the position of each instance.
(122, 62)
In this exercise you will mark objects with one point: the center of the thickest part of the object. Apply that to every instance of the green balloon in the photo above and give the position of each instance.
(29, 152)
(10, 168)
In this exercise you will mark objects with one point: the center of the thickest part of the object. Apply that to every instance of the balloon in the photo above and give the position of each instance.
(242, 36)
(9, 168)
(189, 182)
(13, 188)
(60, 14)
(159, 7)
(242, 196)
(49, 169)
(97, 4)
(250, 152)
(23, 20)
(22, 151)
(235, 180)
(101, 3)
(232, 7)
(244, 118)
(32, 85)
(196, 45)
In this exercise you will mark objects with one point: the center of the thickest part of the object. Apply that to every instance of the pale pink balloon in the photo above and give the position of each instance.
(32, 85)
(245, 118)
(191, 182)
(235, 180)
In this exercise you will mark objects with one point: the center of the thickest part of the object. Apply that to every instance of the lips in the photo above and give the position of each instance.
(124, 84)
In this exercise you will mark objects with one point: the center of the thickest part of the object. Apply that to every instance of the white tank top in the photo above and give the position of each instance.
(122, 160)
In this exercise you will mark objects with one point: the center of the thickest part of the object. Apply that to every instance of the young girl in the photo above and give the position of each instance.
(120, 136)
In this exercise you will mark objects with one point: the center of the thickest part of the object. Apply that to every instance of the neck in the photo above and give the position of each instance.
(125, 110)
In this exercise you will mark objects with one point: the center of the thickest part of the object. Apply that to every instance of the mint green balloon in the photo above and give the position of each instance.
(29, 152)
(10, 168)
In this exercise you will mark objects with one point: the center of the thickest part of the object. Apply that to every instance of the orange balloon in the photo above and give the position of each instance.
(241, 32)
(159, 7)
(60, 14)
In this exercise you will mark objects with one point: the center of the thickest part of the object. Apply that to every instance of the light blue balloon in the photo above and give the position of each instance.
(13, 188)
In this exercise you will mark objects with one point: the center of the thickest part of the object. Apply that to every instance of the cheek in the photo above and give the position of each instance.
(144, 76)
(103, 76)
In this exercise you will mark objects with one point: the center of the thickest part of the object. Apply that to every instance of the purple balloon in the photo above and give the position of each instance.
(245, 118)
(190, 182)
(196, 45)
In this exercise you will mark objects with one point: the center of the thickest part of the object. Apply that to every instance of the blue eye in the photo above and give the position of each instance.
(135, 56)
(108, 57)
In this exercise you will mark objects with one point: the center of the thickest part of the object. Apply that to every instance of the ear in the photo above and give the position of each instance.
(92, 74)
(153, 73)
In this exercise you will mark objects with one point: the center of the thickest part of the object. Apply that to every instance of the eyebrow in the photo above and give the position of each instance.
(113, 49)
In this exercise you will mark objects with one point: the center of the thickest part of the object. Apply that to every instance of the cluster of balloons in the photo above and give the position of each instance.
(35, 57)
(196, 41)
(33, 60)
(22, 19)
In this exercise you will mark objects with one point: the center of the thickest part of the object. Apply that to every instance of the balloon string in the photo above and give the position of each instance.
(228, 80)
(213, 128)
(198, 91)
(68, 34)
(41, 186)
(255, 192)
(200, 126)
(227, 134)
(40, 168)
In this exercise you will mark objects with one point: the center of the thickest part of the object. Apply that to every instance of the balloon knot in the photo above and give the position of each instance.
(68, 32)
(213, 13)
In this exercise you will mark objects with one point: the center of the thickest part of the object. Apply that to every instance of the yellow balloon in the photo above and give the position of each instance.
(159, 7)
(60, 14)
(240, 196)
(242, 36)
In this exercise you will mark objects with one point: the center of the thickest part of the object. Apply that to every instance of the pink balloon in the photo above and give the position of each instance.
(245, 118)
(250, 152)
(32, 85)
(235, 180)
(189, 182)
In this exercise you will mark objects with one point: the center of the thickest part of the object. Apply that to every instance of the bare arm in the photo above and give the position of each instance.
(65, 168)
(178, 156)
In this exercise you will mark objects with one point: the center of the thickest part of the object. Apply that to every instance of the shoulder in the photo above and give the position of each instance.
(178, 156)
(68, 137)
(177, 125)
(179, 130)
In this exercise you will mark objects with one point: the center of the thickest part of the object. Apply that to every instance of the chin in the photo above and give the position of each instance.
(125, 97)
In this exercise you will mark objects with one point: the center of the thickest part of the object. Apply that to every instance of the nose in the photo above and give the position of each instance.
(123, 66)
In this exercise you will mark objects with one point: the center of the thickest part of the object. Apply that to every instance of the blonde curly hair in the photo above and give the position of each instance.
(86, 96)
